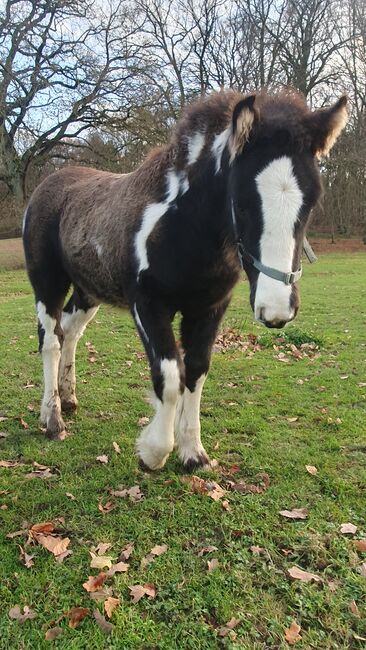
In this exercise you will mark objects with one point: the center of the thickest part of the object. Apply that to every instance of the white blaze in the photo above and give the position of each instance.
(281, 200)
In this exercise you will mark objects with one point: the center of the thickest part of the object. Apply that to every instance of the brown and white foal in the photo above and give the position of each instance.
(236, 182)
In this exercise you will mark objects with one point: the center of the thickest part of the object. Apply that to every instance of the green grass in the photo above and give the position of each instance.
(246, 406)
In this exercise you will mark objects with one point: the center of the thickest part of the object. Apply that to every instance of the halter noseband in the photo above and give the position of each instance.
(286, 278)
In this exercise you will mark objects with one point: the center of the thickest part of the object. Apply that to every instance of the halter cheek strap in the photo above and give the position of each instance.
(286, 278)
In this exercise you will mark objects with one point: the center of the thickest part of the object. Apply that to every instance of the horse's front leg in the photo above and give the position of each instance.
(198, 336)
(153, 321)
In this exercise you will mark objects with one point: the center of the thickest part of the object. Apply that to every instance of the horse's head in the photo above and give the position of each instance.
(274, 184)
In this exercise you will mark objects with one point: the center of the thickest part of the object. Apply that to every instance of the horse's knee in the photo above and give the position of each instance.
(168, 379)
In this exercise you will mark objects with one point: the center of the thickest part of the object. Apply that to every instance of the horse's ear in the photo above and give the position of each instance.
(326, 125)
(244, 116)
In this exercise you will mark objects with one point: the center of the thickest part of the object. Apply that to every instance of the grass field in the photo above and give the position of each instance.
(266, 411)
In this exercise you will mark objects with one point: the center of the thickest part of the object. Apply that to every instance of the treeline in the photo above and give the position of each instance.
(99, 82)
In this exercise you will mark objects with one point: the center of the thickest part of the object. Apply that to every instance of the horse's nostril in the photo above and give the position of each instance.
(275, 323)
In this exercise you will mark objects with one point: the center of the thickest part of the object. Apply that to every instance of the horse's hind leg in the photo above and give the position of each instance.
(75, 317)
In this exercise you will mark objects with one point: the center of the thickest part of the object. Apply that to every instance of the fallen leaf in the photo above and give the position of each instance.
(110, 605)
(16, 614)
(159, 550)
(23, 423)
(55, 545)
(102, 622)
(359, 638)
(46, 527)
(101, 594)
(107, 507)
(143, 421)
(120, 567)
(100, 561)
(207, 549)
(212, 564)
(17, 533)
(360, 544)
(256, 550)
(53, 633)
(304, 576)
(348, 529)
(292, 633)
(10, 463)
(102, 548)
(296, 513)
(116, 447)
(60, 558)
(126, 552)
(363, 569)
(76, 615)
(95, 582)
(103, 459)
(311, 469)
(226, 629)
(226, 505)
(294, 419)
(135, 493)
(40, 473)
(354, 609)
(25, 558)
(138, 591)
(70, 496)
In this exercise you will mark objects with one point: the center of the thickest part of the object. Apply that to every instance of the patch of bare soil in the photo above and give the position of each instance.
(323, 246)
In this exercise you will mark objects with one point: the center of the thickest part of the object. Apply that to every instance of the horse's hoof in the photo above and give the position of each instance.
(69, 405)
(198, 462)
(55, 426)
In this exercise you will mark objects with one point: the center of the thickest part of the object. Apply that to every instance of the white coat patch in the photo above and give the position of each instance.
(195, 145)
(281, 200)
(176, 183)
(218, 147)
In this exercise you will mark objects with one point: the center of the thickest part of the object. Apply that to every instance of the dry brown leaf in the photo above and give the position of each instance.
(76, 615)
(311, 469)
(106, 627)
(116, 447)
(55, 545)
(126, 552)
(354, 609)
(10, 463)
(23, 423)
(226, 629)
(135, 493)
(107, 507)
(100, 561)
(256, 550)
(110, 605)
(293, 419)
(207, 549)
(70, 496)
(363, 569)
(101, 548)
(46, 528)
(120, 567)
(292, 633)
(17, 533)
(360, 545)
(138, 591)
(143, 421)
(348, 529)
(95, 582)
(103, 459)
(25, 558)
(41, 473)
(159, 550)
(212, 564)
(304, 576)
(53, 633)
(296, 513)
(101, 594)
(60, 558)
(16, 614)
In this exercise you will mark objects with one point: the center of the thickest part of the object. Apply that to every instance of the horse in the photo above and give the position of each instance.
(233, 188)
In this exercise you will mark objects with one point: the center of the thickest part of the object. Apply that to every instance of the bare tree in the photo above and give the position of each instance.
(65, 65)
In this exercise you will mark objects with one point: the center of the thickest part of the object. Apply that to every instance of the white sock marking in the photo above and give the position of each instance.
(157, 439)
(281, 200)
(187, 423)
(51, 358)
